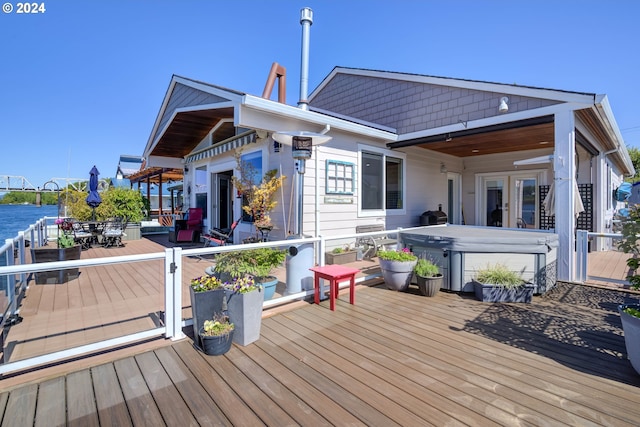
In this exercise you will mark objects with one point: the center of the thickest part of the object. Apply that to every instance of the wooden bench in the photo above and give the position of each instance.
(373, 243)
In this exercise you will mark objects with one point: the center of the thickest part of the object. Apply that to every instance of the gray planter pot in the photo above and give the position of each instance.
(488, 292)
(132, 231)
(204, 305)
(245, 312)
(53, 254)
(397, 274)
(429, 286)
(631, 327)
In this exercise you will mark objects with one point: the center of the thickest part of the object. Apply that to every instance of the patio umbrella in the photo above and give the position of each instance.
(93, 199)
(549, 201)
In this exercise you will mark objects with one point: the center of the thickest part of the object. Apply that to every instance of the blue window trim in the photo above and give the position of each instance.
(347, 166)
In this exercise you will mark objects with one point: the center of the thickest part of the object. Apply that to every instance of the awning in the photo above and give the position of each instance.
(223, 146)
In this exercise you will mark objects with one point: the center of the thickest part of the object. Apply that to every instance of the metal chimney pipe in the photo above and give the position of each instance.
(306, 20)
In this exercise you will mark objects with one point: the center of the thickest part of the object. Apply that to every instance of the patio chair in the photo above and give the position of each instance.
(220, 236)
(194, 226)
(81, 236)
(113, 232)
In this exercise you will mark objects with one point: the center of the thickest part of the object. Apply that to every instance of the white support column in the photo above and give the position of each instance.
(564, 176)
(601, 196)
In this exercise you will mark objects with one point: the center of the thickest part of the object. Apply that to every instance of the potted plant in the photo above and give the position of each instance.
(629, 244)
(207, 298)
(497, 283)
(397, 268)
(244, 305)
(216, 335)
(630, 313)
(428, 277)
(258, 263)
(66, 249)
(630, 318)
(340, 255)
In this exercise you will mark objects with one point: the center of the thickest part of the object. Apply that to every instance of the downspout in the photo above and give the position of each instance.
(326, 129)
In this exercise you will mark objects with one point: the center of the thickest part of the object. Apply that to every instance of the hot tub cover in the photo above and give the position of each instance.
(466, 238)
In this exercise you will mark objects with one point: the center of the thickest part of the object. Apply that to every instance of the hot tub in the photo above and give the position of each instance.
(462, 250)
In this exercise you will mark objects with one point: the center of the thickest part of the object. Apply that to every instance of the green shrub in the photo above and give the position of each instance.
(256, 262)
(399, 255)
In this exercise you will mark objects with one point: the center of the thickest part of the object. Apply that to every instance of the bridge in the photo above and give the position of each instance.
(21, 183)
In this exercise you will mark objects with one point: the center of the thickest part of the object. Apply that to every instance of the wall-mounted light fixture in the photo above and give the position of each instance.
(503, 107)
(443, 168)
(186, 169)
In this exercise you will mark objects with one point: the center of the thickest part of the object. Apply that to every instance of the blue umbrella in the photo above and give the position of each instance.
(93, 199)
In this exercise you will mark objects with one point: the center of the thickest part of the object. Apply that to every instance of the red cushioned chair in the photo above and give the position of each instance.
(194, 226)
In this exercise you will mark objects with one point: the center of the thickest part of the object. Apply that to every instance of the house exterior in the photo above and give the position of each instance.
(487, 154)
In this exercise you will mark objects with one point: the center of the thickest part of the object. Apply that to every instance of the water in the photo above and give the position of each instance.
(14, 218)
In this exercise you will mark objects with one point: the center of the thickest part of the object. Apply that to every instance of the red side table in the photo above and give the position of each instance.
(334, 273)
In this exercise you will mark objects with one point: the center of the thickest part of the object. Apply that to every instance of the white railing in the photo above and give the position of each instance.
(12, 250)
(173, 280)
(582, 251)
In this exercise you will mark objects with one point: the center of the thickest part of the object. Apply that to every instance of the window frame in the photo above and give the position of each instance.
(363, 148)
(344, 178)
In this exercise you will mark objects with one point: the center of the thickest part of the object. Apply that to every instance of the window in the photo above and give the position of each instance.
(201, 189)
(340, 177)
(382, 181)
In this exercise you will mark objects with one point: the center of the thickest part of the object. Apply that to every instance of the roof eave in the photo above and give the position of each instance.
(606, 117)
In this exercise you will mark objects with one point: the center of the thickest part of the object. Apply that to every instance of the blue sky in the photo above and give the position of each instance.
(83, 82)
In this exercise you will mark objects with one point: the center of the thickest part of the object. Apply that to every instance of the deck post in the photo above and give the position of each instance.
(173, 293)
(582, 248)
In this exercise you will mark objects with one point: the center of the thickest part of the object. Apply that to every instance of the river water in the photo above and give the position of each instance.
(14, 218)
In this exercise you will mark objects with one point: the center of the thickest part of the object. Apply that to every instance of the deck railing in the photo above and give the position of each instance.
(582, 251)
(173, 280)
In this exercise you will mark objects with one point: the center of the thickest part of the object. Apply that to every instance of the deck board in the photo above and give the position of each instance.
(142, 406)
(110, 403)
(173, 408)
(81, 402)
(199, 402)
(51, 409)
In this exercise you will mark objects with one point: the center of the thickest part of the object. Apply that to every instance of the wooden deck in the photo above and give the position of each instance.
(392, 359)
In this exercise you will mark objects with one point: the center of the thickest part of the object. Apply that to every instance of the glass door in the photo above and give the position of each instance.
(494, 202)
(509, 200)
(525, 202)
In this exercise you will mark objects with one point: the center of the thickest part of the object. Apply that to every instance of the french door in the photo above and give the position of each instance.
(508, 200)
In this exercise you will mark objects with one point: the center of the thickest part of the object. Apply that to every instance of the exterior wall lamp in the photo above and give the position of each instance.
(504, 107)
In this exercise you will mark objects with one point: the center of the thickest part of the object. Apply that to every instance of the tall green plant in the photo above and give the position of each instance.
(629, 244)
(116, 202)
(122, 202)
